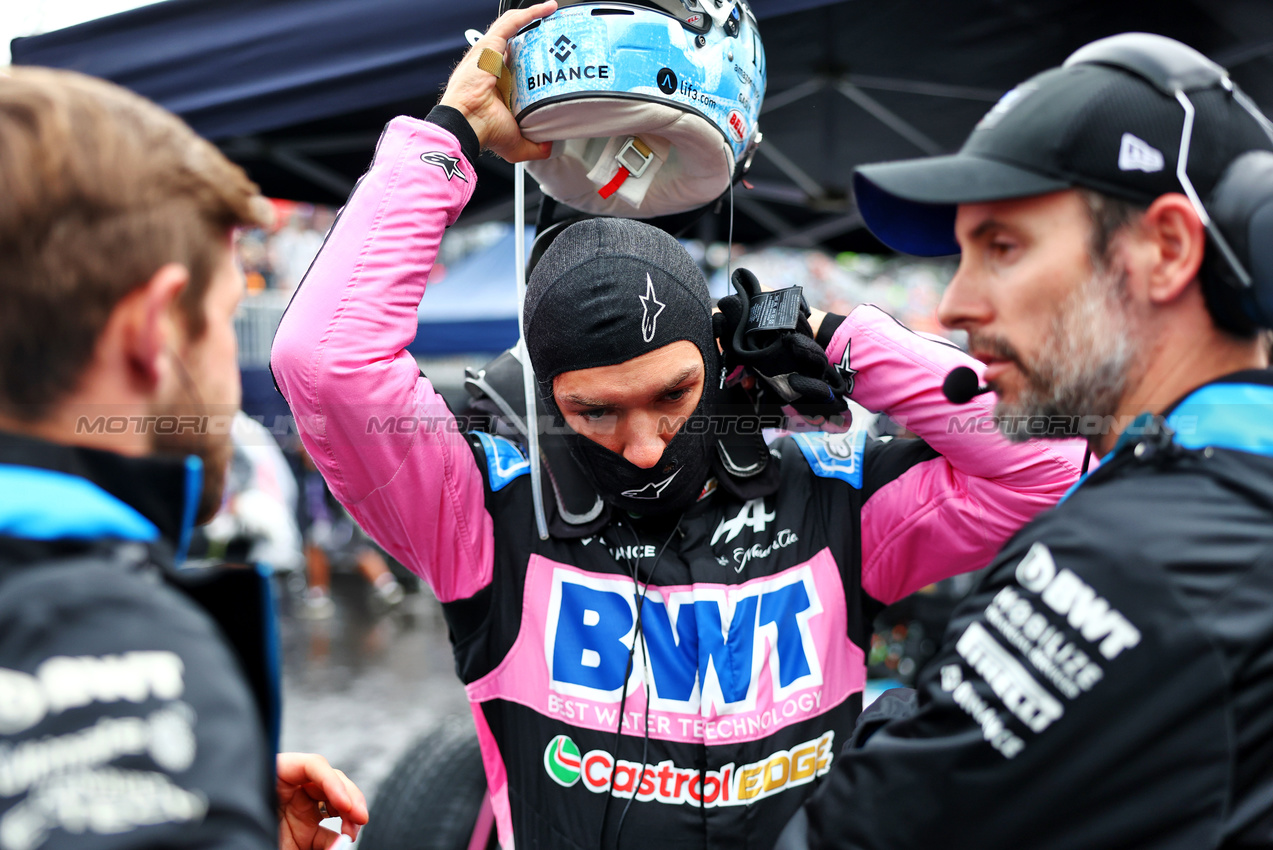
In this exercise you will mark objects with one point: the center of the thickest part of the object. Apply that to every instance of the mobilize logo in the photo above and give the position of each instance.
(562, 48)
(707, 648)
(664, 782)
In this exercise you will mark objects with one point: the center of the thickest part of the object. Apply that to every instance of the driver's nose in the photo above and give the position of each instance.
(643, 444)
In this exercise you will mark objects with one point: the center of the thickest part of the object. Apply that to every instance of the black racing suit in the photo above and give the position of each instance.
(127, 717)
(1110, 683)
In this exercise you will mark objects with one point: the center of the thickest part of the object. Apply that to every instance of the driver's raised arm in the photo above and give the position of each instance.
(382, 437)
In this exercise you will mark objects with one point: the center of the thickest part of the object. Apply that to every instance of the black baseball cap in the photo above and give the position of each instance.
(1085, 124)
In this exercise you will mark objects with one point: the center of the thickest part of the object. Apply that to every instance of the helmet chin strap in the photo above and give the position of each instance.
(528, 371)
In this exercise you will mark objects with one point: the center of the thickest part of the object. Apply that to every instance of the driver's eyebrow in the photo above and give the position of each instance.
(584, 401)
(985, 227)
(689, 372)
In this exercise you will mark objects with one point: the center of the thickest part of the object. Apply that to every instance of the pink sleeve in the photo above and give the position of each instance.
(384, 440)
(950, 514)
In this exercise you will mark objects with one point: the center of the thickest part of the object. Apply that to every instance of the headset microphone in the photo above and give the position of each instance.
(962, 385)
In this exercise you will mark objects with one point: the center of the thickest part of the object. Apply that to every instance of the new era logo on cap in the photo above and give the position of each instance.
(1138, 155)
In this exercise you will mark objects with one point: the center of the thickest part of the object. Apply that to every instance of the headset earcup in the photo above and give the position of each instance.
(1260, 236)
(1241, 205)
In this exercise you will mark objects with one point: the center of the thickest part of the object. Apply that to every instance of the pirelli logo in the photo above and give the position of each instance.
(1015, 687)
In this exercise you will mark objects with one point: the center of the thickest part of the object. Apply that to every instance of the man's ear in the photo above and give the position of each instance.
(148, 320)
(1172, 227)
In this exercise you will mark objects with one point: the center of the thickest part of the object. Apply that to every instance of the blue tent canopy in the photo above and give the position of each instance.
(474, 305)
(297, 91)
(238, 67)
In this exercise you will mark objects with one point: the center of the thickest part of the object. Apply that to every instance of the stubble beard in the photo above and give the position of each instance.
(1082, 370)
(211, 442)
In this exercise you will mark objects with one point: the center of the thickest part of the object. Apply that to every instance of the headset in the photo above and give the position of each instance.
(1237, 276)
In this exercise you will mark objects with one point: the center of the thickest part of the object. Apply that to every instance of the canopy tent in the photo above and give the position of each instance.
(472, 305)
(297, 90)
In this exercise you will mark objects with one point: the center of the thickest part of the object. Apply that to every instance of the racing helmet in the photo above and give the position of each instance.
(651, 105)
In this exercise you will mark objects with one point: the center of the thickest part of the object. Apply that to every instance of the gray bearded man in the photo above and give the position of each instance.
(1106, 686)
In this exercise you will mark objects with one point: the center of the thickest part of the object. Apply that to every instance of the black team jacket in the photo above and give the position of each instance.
(137, 702)
(1110, 683)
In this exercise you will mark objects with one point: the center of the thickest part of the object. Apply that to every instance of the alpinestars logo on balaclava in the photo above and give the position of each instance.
(580, 314)
(652, 490)
(650, 301)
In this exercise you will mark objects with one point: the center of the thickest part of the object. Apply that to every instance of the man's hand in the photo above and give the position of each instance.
(472, 91)
(772, 343)
(304, 781)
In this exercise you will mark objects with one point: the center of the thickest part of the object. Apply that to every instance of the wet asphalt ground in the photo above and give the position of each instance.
(360, 687)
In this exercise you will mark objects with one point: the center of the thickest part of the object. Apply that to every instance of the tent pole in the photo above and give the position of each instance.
(528, 373)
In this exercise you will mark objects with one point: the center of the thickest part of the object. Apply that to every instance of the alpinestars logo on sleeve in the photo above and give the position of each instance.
(651, 309)
(846, 371)
(449, 164)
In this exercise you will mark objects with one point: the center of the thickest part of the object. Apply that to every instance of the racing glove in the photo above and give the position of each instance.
(766, 335)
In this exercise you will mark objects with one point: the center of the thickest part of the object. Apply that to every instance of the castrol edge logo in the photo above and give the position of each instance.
(561, 760)
(666, 783)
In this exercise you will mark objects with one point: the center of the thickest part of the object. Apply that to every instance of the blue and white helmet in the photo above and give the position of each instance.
(652, 105)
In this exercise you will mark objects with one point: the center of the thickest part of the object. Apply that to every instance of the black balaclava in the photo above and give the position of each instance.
(608, 290)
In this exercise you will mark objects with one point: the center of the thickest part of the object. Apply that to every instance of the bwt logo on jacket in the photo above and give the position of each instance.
(708, 647)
